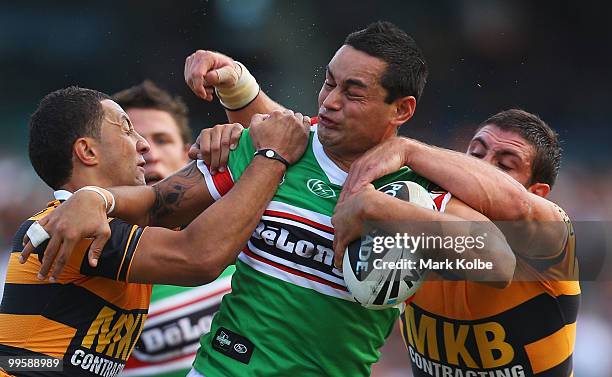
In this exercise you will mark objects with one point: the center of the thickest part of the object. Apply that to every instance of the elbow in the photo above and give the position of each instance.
(521, 206)
(212, 271)
(200, 274)
(504, 265)
(206, 267)
(199, 265)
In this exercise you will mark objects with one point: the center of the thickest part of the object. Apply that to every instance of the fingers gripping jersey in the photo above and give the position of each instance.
(90, 318)
(289, 312)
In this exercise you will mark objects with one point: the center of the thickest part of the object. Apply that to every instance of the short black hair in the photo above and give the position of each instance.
(540, 135)
(406, 72)
(61, 118)
(147, 95)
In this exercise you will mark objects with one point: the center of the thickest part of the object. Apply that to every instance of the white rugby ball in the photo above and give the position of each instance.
(382, 288)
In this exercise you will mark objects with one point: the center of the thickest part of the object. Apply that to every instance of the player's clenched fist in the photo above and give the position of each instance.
(207, 71)
(285, 132)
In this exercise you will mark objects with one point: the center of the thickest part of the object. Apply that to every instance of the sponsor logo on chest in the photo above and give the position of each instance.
(320, 188)
(297, 244)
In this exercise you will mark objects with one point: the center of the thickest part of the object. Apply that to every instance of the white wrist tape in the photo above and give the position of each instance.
(98, 190)
(37, 234)
(242, 93)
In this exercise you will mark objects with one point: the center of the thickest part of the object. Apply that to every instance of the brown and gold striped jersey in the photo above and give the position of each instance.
(463, 328)
(90, 318)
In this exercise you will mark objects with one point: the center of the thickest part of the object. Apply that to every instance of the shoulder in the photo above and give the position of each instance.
(17, 243)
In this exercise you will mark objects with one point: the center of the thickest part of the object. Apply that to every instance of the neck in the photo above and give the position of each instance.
(344, 163)
(84, 178)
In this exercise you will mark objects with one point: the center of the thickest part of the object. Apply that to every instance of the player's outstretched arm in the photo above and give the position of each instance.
(173, 202)
(480, 185)
(201, 251)
(209, 72)
(458, 221)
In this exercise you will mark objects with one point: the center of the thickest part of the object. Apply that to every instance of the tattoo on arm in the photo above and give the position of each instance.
(172, 193)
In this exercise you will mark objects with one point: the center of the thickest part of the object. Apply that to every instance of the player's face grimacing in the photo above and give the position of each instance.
(167, 152)
(353, 115)
(506, 150)
(122, 148)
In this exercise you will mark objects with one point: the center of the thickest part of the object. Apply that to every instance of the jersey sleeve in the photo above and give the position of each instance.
(564, 264)
(118, 253)
(220, 183)
(114, 262)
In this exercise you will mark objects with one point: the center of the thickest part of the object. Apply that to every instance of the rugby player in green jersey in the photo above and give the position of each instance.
(289, 311)
(177, 316)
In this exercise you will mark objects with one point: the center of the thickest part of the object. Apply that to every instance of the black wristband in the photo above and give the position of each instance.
(273, 155)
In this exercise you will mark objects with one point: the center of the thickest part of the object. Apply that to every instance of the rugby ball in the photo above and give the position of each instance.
(374, 284)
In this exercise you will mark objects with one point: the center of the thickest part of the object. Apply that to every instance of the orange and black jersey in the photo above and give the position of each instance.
(90, 317)
(463, 328)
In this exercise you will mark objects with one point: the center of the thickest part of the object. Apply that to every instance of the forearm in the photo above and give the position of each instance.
(472, 240)
(262, 104)
(224, 228)
(478, 184)
(171, 203)
(133, 203)
(199, 253)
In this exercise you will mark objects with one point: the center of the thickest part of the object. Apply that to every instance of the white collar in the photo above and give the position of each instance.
(335, 175)
(62, 194)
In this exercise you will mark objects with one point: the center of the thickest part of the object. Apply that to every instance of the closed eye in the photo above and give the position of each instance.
(504, 167)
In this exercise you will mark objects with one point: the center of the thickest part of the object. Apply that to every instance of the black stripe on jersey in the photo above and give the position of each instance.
(404, 329)
(529, 321)
(21, 232)
(564, 369)
(28, 299)
(544, 264)
(525, 327)
(569, 305)
(67, 304)
(114, 253)
(129, 253)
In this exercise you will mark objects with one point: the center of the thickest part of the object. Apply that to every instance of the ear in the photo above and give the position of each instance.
(84, 150)
(540, 189)
(403, 108)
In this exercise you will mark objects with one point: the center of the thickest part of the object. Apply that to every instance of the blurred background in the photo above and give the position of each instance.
(552, 58)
